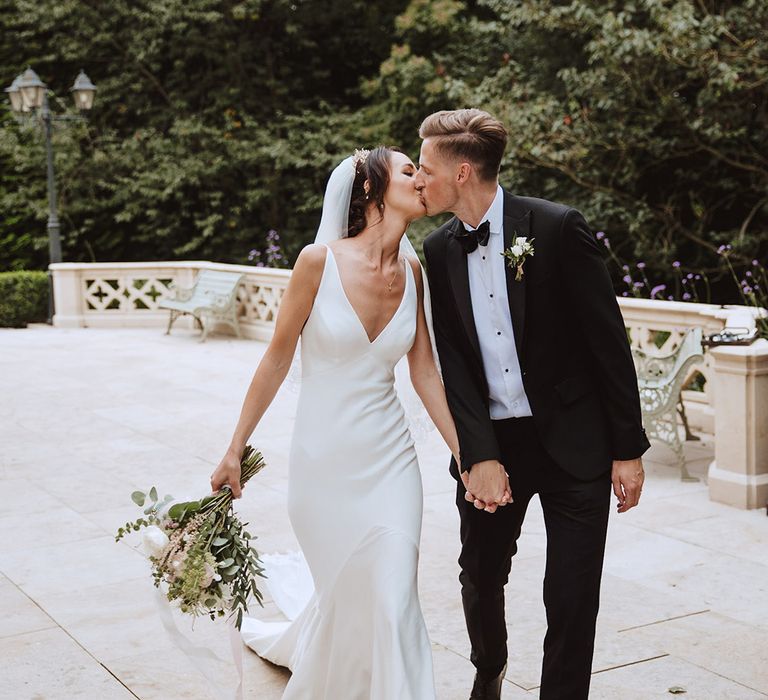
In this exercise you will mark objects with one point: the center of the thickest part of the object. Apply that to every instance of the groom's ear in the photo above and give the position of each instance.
(463, 172)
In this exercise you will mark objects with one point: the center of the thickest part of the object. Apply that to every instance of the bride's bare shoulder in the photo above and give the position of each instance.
(309, 264)
(308, 269)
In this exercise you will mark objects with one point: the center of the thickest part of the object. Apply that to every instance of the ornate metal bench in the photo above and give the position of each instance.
(213, 297)
(660, 380)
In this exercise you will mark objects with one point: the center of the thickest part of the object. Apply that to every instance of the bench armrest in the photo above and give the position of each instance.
(219, 301)
(179, 292)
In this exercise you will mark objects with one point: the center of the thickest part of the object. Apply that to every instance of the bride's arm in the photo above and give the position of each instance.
(295, 307)
(425, 376)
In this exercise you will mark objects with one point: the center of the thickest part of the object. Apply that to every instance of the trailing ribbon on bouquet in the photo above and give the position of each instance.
(200, 656)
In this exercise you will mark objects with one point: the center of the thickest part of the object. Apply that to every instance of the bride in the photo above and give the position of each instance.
(356, 298)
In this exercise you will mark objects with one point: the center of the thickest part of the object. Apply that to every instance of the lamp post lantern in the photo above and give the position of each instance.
(29, 100)
(83, 91)
(33, 90)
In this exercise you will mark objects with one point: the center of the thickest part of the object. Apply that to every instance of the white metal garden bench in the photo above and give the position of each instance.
(660, 380)
(213, 298)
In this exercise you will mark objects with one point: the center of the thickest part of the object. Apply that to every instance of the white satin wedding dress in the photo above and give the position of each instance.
(355, 503)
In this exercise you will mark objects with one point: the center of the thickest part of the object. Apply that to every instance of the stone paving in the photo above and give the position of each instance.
(89, 415)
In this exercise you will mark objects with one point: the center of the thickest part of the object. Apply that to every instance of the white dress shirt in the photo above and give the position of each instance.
(490, 307)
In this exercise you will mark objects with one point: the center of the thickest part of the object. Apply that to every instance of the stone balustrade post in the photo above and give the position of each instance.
(68, 295)
(738, 475)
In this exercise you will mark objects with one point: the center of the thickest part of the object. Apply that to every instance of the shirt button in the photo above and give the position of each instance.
(483, 257)
(498, 332)
(491, 295)
(506, 370)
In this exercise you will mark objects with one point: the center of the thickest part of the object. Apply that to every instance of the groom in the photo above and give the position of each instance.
(541, 385)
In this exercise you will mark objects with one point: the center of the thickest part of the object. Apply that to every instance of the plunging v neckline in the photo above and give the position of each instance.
(352, 308)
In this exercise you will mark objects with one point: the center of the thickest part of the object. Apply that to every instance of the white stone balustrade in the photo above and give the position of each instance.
(732, 403)
(127, 294)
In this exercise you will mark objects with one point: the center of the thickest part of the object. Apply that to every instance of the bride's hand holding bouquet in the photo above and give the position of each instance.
(228, 473)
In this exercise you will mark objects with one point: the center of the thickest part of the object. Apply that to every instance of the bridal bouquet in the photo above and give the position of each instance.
(200, 549)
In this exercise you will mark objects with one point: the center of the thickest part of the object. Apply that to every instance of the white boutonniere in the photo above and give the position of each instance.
(516, 254)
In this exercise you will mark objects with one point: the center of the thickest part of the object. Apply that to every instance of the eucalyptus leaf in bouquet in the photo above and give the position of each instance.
(200, 550)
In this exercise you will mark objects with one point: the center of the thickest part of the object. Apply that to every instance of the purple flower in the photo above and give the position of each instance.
(748, 273)
(606, 242)
(637, 285)
(748, 290)
(671, 298)
(625, 294)
(686, 296)
(685, 280)
(600, 235)
(676, 264)
(641, 266)
(253, 252)
(625, 268)
(755, 263)
(698, 277)
(627, 279)
(657, 290)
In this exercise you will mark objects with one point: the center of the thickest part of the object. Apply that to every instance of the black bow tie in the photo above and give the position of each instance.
(469, 240)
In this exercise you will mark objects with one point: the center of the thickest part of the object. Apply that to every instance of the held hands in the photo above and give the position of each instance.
(487, 485)
(227, 474)
(627, 477)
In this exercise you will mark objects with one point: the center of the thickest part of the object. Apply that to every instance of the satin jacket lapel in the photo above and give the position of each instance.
(459, 279)
(517, 222)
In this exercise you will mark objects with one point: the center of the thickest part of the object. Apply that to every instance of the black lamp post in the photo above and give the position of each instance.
(29, 100)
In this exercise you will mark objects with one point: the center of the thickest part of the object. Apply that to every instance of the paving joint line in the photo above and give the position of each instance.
(668, 619)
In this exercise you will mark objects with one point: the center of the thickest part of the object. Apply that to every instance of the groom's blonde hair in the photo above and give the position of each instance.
(468, 134)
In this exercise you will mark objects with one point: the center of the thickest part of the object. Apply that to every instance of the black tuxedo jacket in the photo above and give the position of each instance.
(570, 336)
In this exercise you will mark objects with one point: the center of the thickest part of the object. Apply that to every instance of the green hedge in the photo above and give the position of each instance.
(23, 298)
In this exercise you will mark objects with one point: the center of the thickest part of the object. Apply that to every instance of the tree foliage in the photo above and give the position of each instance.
(217, 121)
(650, 116)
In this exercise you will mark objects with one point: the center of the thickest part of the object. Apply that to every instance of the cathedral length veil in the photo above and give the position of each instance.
(333, 226)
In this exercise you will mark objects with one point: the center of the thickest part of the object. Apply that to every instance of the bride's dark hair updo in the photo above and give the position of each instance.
(375, 169)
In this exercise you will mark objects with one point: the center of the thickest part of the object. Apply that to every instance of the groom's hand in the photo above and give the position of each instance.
(627, 477)
(487, 485)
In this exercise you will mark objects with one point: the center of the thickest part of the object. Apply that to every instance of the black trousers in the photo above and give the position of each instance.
(576, 519)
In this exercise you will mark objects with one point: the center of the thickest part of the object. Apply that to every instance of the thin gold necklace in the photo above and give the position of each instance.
(394, 277)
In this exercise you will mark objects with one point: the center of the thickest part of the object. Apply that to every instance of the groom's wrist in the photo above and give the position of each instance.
(467, 464)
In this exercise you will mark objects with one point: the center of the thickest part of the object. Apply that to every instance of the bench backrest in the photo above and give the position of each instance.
(655, 371)
(213, 283)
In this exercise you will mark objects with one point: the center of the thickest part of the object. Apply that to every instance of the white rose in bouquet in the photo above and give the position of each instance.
(154, 541)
